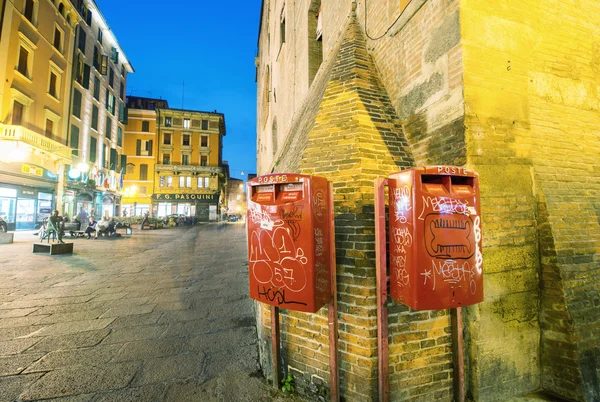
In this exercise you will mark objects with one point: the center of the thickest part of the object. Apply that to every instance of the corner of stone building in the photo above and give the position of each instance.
(349, 133)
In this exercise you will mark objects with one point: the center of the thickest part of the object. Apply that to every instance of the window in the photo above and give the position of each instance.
(96, 88)
(53, 85)
(110, 102)
(88, 17)
(74, 143)
(146, 126)
(186, 123)
(282, 27)
(28, 11)
(166, 159)
(143, 148)
(54, 78)
(105, 155)
(188, 181)
(200, 182)
(203, 160)
(23, 66)
(143, 190)
(111, 77)
(161, 181)
(119, 136)
(108, 129)
(81, 40)
(100, 35)
(122, 91)
(49, 132)
(167, 139)
(168, 121)
(95, 117)
(204, 124)
(143, 172)
(186, 140)
(131, 168)
(206, 182)
(169, 181)
(82, 72)
(204, 141)
(57, 42)
(185, 159)
(93, 149)
(76, 103)
(315, 39)
(181, 182)
(17, 114)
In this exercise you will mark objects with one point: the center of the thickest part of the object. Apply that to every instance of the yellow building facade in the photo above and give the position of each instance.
(190, 178)
(36, 46)
(63, 79)
(174, 161)
(140, 146)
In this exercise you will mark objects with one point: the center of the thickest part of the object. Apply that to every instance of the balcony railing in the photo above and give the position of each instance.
(189, 169)
(35, 140)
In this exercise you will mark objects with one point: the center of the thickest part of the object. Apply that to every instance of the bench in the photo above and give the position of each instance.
(6, 238)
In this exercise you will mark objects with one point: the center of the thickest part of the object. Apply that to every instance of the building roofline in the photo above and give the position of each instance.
(111, 34)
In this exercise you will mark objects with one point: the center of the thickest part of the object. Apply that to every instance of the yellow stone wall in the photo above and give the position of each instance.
(531, 87)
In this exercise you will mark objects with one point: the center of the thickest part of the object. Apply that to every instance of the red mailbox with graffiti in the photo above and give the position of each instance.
(435, 237)
(288, 241)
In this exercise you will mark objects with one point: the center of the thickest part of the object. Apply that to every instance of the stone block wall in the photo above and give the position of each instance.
(531, 102)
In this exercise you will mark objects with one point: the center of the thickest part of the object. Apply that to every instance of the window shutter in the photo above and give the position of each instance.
(93, 149)
(86, 76)
(113, 159)
(123, 163)
(114, 55)
(76, 103)
(74, 140)
(138, 148)
(150, 148)
(119, 136)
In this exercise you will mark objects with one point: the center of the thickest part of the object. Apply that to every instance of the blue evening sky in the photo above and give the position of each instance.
(209, 45)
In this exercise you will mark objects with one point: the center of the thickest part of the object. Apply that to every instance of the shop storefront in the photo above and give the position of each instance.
(27, 195)
(24, 208)
(202, 207)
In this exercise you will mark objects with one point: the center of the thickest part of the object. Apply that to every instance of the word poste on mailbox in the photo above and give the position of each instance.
(435, 237)
(288, 241)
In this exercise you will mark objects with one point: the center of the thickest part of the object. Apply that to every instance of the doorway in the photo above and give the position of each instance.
(25, 214)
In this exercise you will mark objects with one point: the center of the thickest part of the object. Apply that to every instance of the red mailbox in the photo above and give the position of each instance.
(435, 237)
(288, 241)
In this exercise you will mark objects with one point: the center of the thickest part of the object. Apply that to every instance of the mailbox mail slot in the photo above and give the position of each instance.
(435, 237)
(288, 241)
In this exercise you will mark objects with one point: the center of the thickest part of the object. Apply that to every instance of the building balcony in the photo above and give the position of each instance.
(189, 169)
(48, 147)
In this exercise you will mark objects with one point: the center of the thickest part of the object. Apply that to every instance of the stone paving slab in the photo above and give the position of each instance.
(158, 316)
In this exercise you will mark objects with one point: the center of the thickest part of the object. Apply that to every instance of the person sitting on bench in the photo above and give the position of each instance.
(102, 228)
(91, 228)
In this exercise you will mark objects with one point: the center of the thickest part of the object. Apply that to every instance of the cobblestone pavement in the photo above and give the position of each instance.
(162, 315)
